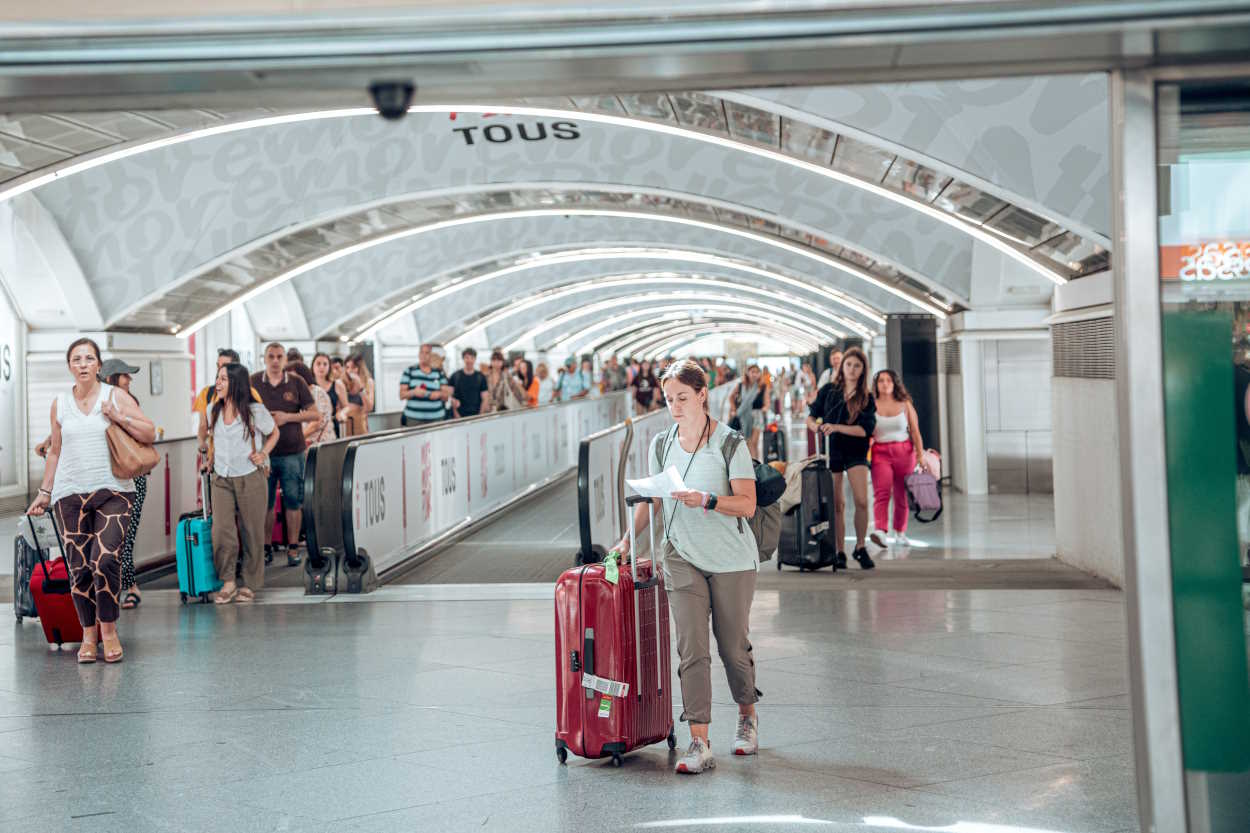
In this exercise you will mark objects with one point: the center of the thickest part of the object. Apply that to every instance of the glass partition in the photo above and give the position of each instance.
(1204, 265)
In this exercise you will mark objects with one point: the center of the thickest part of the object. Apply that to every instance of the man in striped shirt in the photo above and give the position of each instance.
(424, 390)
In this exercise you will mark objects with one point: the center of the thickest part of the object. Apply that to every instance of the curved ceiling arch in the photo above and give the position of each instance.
(561, 329)
(1069, 185)
(358, 294)
(558, 299)
(1040, 142)
(355, 294)
(667, 322)
(174, 206)
(697, 332)
(684, 343)
(529, 326)
(577, 338)
(267, 261)
(630, 341)
(550, 272)
(671, 327)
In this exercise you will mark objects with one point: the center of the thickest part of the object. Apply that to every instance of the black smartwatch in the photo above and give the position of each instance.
(711, 501)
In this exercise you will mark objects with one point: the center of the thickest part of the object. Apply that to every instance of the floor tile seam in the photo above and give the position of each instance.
(861, 680)
(824, 771)
(1015, 771)
(1008, 713)
(1012, 704)
(529, 789)
(1061, 759)
(870, 735)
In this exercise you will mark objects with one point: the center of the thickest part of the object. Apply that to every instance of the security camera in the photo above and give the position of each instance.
(392, 98)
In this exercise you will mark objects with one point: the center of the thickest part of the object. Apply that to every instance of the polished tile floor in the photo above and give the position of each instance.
(433, 711)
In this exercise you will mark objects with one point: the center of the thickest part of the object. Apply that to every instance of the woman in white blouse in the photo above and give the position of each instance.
(243, 433)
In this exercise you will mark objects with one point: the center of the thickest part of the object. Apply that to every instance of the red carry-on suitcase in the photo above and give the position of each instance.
(50, 588)
(613, 659)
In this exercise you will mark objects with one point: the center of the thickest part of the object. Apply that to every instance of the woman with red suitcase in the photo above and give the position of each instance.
(710, 560)
(92, 504)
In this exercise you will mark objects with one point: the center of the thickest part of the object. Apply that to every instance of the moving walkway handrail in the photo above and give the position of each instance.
(556, 436)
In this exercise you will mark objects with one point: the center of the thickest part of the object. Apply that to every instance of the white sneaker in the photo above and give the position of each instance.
(747, 738)
(902, 540)
(879, 538)
(698, 757)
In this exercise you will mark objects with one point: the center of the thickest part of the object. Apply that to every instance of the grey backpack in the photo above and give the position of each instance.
(765, 524)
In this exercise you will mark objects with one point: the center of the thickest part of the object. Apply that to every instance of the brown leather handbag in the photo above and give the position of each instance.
(130, 458)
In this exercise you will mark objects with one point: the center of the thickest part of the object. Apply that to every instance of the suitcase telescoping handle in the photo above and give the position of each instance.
(653, 583)
(50, 585)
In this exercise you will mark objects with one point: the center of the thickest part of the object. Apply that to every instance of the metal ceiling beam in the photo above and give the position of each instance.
(489, 49)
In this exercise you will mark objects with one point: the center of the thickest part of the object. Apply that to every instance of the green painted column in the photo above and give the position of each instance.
(1206, 572)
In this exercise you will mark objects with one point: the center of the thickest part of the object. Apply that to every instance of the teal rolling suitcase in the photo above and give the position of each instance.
(196, 574)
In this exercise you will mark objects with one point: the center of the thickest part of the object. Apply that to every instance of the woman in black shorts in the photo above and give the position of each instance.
(844, 410)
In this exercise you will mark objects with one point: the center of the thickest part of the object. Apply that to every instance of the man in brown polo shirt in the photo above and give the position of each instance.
(290, 401)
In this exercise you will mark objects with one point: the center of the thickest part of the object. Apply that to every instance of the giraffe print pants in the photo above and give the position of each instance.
(93, 529)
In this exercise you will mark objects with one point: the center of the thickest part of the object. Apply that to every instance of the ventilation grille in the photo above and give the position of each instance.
(1084, 349)
(950, 357)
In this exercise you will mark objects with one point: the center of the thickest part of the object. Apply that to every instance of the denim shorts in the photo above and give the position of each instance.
(289, 470)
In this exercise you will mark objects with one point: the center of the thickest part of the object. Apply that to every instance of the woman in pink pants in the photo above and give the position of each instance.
(897, 450)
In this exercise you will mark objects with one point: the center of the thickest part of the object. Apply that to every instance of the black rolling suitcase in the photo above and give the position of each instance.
(807, 539)
(774, 445)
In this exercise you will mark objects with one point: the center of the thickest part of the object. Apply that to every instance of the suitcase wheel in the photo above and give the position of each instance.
(182, 598)
(672, 739)
(617, 760)
(779, 564)
(562, 754)
(19, 617)
(206, 597)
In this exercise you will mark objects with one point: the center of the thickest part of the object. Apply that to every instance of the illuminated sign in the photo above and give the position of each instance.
(1224, 260)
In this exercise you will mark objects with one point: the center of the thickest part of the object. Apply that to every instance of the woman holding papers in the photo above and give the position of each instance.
(709, 558)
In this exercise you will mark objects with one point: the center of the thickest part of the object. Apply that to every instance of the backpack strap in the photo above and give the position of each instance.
(728, 449)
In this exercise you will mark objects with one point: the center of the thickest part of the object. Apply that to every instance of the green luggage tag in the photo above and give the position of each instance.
(611, 567)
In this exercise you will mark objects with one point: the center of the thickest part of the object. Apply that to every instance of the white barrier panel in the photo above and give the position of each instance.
(718, 400)
(173, 489)
(406, 490)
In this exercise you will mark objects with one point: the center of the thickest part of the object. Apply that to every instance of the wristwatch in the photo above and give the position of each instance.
(711, 501)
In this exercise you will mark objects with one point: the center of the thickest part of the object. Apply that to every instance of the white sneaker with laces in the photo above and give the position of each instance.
(879, 538)
(747, 738)
(698, 757)
(901, 539)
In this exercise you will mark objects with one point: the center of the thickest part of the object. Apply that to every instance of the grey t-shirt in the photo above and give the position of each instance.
(710, 541)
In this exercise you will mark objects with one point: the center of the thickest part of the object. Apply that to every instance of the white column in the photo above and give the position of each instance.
(975, 471)
(877, 354)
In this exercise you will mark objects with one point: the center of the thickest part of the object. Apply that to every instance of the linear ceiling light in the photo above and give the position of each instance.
(655, 344)
(689, 341)
(651, 279)
(576, 340)
(651, 282)
(951, 220)
(527, 213)
(635, 253)
(665, 347)
(693, 301)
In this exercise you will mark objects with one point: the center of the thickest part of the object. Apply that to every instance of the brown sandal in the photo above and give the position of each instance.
(246, 595)
(111, 655)
(87, 653)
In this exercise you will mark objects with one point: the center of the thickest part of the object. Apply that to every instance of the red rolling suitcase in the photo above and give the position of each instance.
(613, 659)
(50, 588)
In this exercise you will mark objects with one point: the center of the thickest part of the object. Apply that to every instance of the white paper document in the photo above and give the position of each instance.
(659, 485)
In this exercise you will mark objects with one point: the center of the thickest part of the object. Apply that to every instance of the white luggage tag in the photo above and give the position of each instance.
(604, 686)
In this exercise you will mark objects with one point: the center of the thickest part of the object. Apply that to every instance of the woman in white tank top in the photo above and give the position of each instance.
(91, 504)
(896, 451)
